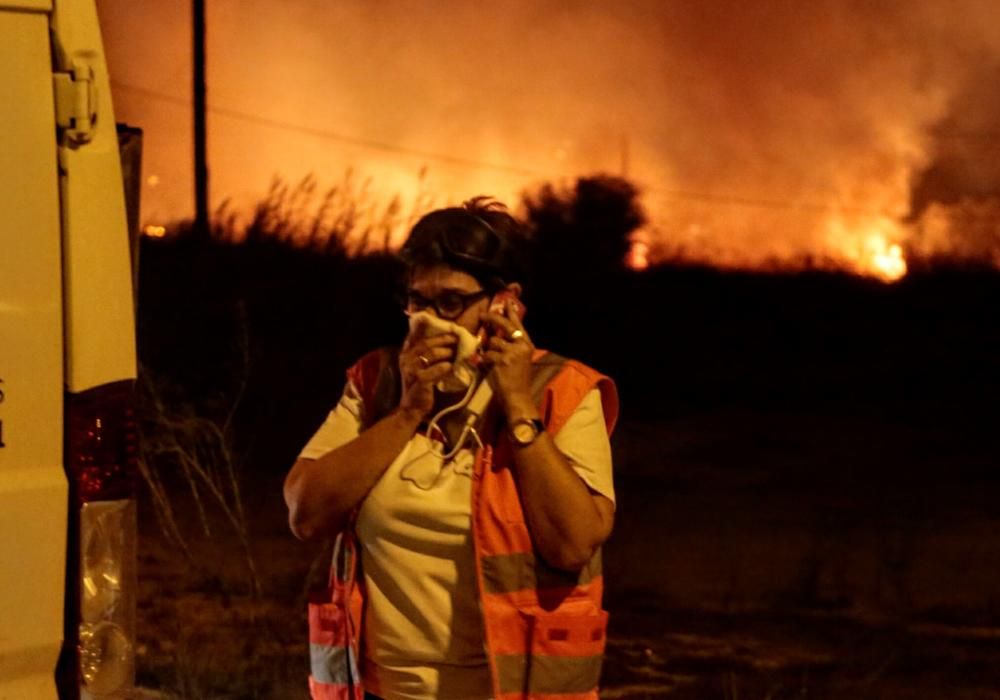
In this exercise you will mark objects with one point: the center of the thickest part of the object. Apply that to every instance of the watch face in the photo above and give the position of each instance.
(524, 432)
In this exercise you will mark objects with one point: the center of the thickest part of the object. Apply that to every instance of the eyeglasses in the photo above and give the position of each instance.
(448, 306)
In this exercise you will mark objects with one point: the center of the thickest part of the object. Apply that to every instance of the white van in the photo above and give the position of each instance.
(67, 363)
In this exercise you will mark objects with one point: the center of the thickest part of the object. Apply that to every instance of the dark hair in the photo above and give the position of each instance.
(480, 238)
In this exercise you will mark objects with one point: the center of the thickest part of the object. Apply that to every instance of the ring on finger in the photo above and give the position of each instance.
(424, 362)
(516, 334)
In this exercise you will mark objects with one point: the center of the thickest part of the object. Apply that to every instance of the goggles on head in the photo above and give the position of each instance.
(466, 241)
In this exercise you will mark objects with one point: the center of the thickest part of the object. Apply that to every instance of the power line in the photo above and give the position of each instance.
(767, 203)
(332, 136)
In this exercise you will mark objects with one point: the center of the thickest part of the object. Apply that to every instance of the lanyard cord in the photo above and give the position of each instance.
(477, 397)
(460, 442)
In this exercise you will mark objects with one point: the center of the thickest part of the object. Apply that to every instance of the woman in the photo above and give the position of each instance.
(466, 563)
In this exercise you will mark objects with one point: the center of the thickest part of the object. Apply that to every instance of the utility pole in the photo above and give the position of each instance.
(200, 132)
(624, 163)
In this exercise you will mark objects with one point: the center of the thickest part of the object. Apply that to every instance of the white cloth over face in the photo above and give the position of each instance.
(463, 372)
(423, 634)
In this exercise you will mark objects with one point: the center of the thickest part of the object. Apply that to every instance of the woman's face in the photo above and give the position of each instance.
(442, 290)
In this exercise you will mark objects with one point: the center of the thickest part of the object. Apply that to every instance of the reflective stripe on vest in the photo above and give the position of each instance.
(508, 573)
(328, 664)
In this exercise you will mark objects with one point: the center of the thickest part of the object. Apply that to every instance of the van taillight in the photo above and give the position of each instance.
(101, 451)
(101, 444)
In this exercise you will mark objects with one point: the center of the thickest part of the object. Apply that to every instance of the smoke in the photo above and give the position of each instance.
(759, 132)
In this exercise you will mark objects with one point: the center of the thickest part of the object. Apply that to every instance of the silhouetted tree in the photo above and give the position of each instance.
(581, 237)
(583, 232)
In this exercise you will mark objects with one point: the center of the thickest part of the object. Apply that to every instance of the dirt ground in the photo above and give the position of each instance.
(728, 577)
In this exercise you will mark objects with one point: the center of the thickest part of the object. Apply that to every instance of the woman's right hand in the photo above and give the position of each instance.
(423, 362)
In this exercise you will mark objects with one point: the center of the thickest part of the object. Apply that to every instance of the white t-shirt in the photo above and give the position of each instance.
(423, 634)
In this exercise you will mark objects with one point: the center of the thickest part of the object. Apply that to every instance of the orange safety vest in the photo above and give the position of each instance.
(544, 627)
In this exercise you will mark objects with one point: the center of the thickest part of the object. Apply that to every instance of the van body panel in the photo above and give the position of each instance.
(33, 487)
(27, 687)
(99, 317)
(26, 5)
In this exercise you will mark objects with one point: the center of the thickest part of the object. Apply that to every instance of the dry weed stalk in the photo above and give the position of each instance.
(349, 218)
(199, 448)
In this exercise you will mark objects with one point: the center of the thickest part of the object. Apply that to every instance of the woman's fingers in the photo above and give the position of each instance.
(497, 343)
(441, 340)
(499, 322)
(435, 341)
(512, 315)
(500, 344)
(434, 373)
(492, 357)
(419, 336)
(432, 355)
(432, 350)
(506, 326)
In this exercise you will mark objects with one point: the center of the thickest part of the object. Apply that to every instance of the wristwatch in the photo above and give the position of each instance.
(523, 431)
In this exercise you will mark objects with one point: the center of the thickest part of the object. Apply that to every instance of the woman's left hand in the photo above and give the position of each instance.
(509, 352)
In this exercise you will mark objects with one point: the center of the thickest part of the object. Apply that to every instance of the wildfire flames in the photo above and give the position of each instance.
(887, 261)
(859, 136)
(873, 250)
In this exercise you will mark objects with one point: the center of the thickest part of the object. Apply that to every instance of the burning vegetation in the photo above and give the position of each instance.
(835, 135)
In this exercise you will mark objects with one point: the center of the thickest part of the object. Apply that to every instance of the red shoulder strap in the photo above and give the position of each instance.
(363, 374)
(376, 377)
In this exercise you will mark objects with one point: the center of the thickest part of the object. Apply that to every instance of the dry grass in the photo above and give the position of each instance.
(347, 218)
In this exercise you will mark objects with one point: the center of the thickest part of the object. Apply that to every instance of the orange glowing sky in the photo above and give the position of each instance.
(759, 132)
